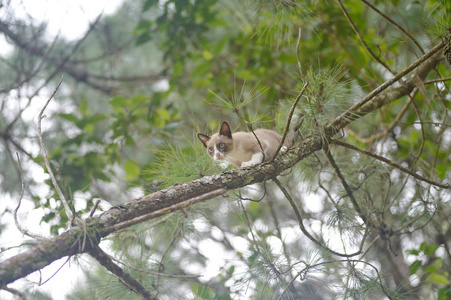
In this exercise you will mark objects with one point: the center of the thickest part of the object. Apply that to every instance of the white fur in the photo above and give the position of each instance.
(256, 159)
(216, 152)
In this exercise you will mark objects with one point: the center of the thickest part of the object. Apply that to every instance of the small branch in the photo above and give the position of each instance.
(15, 292)
(152, 272)
(67, 209)
(93, 210)
(350, 114)
(278, 229)
(304, 230)
(290, 116)
(124, 277)
(387, 130)
(391, 163)
(437, 80)
(391, 21)
(56, 272)
(297, 51)
(22, 190)
(359, 35)
(345, 184)
(304, 271)
(426, 123)
(416, 157)
(249, 126)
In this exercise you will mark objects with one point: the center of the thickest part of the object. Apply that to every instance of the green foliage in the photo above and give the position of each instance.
(429, 265)
(174, 165)
(326, 97)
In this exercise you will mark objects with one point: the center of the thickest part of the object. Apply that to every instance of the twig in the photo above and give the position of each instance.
(387, 130)
(252, 200)
(124, 277)
(359, 35)
(345, 185)
(258, 250)
(437, 80)
(56, 272)
(152, 272)
(46, 160)
(416, 157)
(351, 111)
(290, 116)
(426, 123)
(278, 229)
(22, 190)
(391, 163)
(163, 257)
(93, 210)
(15, 292)
(297, 51)
(306, 233)
(394, 24)
(308, 267)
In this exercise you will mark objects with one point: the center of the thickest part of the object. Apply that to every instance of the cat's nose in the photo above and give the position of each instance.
(218, 155)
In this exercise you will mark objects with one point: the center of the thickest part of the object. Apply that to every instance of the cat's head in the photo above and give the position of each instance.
(219, 144)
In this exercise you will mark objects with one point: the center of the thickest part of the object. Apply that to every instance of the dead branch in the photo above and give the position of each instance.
(46, 160)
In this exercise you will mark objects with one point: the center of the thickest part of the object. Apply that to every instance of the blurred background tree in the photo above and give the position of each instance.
(142, 81)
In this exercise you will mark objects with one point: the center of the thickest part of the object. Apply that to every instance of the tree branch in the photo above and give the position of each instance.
(393, 164)
(95, 228)
(307, 234)
(46, 160)
(379, 99)
(123, 276)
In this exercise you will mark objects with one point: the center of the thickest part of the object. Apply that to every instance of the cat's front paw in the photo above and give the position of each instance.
(284, 149)
(247, 164)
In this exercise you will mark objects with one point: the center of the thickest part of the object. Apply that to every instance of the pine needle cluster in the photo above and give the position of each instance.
(180, 164)
(327, 96)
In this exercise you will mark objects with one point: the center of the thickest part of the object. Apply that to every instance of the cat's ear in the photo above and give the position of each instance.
(203, 138)
(225, 130)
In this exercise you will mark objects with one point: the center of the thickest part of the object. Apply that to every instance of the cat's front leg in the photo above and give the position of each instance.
(256, 159)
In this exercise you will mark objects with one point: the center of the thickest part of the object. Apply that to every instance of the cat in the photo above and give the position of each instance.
(242, 149)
